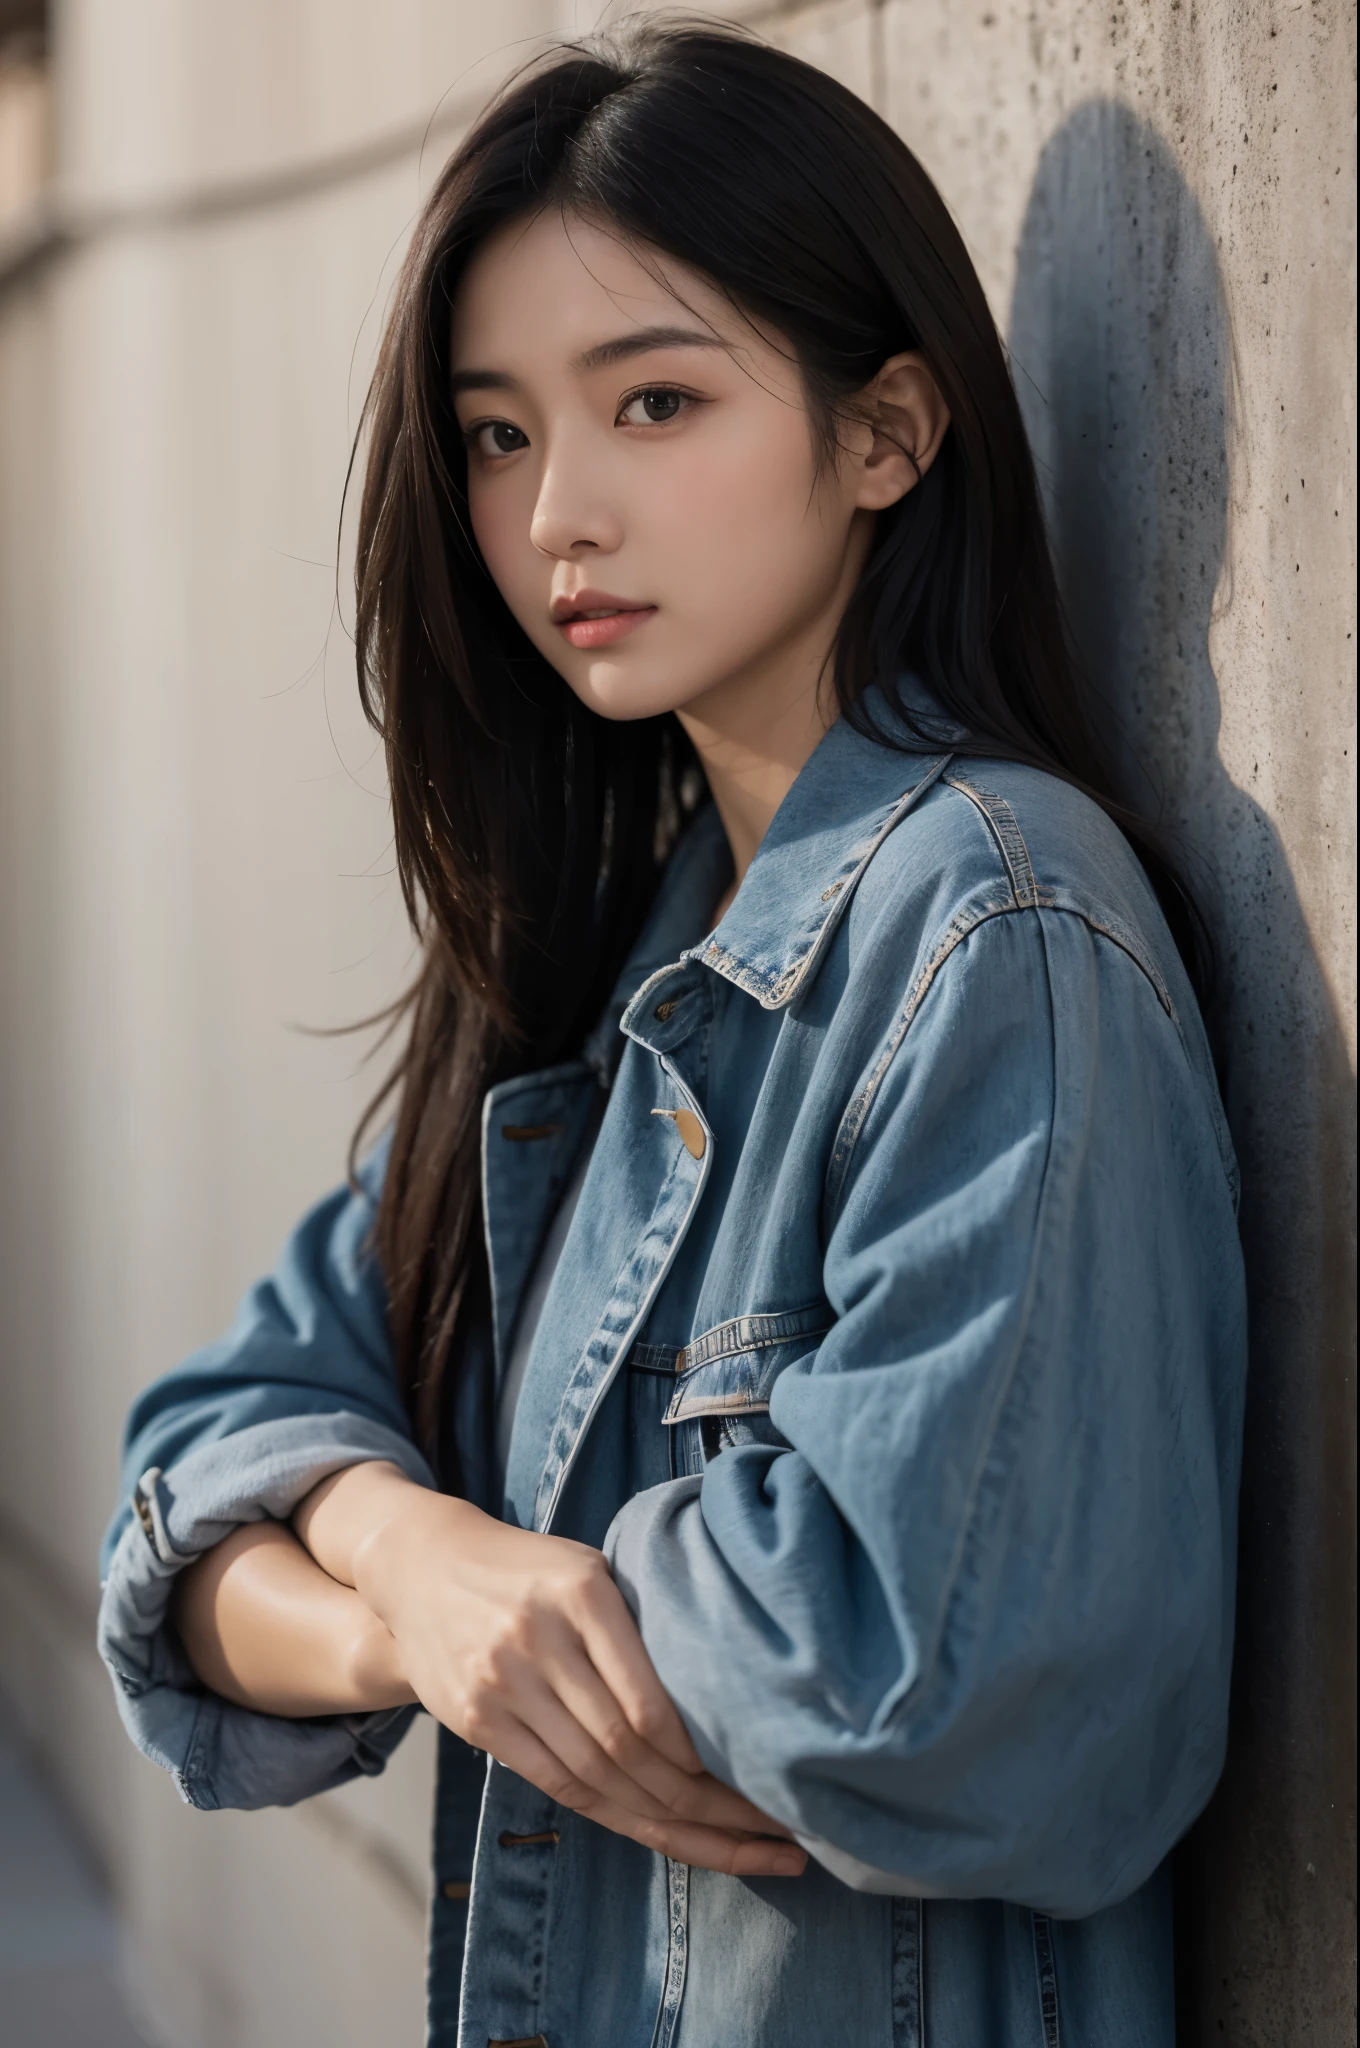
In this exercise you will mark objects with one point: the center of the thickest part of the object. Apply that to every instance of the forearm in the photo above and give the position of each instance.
(342, 1520)
(521, 1644)
(265, 1627)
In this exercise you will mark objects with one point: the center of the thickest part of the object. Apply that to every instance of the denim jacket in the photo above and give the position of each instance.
(895, 1357)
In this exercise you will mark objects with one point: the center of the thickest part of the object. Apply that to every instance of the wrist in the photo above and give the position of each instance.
(336, 1515)
(395, 1540)
(374, 1669)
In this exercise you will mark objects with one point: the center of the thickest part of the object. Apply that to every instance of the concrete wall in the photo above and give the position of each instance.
(194, 852)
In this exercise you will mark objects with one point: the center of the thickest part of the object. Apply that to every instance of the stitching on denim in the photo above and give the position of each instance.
(1127, 944)
(567, 1435)
(930, 1648)
(1009, 838)
(692, 1407)
(567, 1438)
(789, 982)
(773, 995)
(732, 1338)
(677, 1947)
(852, 1123)
(752, 1333)
(192, 1775)
(992, 1430)
(908, 2004)
(959, 929)
(1046, 1970)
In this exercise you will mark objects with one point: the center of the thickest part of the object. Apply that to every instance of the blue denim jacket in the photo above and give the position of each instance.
(895, 1357)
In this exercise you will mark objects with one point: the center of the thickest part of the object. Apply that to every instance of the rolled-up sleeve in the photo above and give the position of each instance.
(302, 1387)
(967, 1628)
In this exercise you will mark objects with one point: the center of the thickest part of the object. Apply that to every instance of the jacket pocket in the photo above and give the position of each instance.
(723, 1378)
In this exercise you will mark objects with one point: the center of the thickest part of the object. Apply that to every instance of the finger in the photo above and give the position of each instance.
(705, 1848)
(618, 1653)
(542, 1741)
(705, 1798)
(543, 1712)
(516, 1746)
(717, 1805)
(512, 1743)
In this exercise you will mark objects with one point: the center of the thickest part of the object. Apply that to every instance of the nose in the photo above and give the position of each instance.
(571, 515)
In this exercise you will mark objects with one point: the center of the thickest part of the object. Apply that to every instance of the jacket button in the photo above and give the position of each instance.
(664, 1010)
(691, 1132)
(690, 1129)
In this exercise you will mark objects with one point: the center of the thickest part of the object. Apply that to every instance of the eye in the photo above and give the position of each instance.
(495, 437)
(654, 406)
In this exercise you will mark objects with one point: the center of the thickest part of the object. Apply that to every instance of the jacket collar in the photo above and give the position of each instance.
(694, 877)
(849, 795)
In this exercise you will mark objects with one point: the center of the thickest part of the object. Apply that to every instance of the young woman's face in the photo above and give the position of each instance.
(642, 473)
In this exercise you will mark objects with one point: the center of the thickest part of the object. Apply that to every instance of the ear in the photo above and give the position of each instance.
(907, 417)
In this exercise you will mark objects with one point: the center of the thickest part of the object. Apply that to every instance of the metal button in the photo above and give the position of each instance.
(664, 1010)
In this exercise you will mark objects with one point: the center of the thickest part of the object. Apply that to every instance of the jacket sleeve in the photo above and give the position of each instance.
(301, 1387)
(965, 1624)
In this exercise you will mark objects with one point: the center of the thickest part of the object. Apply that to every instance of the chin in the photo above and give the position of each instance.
(614, 693)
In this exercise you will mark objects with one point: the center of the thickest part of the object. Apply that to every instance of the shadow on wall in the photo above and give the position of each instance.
(1123, 358)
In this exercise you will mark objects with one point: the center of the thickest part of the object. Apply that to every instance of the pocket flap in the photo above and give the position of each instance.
(730, 1369)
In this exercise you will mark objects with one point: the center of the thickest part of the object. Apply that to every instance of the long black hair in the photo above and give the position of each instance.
(529, 831)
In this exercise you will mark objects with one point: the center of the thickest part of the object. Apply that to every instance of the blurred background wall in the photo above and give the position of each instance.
(201, 207)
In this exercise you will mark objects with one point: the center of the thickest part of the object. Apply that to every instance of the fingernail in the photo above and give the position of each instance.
(789, 1864)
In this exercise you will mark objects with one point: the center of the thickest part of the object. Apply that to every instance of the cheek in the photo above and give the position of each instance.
(749, 515)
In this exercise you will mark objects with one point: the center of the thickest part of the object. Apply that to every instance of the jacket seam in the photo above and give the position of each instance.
(195, 1783)
(547, 1497)
(1046, 1974)
(734, 1337)
(960, 928)
(1030, 893)
(774, 991)
(690, 1408)
(843, 886)
(930, 1660)
(1010, 841)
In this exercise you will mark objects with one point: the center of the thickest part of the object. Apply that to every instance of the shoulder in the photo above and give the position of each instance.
(1004, 875)
(998, 839)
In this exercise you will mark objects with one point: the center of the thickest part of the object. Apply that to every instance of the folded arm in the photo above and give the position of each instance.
(284, 1584)
(966, 1629)
(265, 1628)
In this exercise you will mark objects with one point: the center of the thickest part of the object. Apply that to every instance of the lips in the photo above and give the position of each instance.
(595, 618)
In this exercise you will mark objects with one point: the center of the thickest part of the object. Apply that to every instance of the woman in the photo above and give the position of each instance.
(774, 1392)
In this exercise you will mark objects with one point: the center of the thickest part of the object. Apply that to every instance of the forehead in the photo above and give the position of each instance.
(558, 284)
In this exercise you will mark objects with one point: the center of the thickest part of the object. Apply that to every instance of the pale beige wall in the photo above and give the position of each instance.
(194, 850)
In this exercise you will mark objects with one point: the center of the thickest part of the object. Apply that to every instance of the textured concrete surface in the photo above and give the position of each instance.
(193, 852)
(1199, 453)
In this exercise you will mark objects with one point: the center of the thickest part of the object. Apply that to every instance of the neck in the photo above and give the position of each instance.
(754, 731)
(753, 739)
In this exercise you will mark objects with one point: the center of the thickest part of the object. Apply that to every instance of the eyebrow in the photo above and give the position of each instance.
(641, 341)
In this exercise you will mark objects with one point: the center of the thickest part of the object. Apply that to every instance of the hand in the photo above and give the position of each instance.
(524, 1646)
